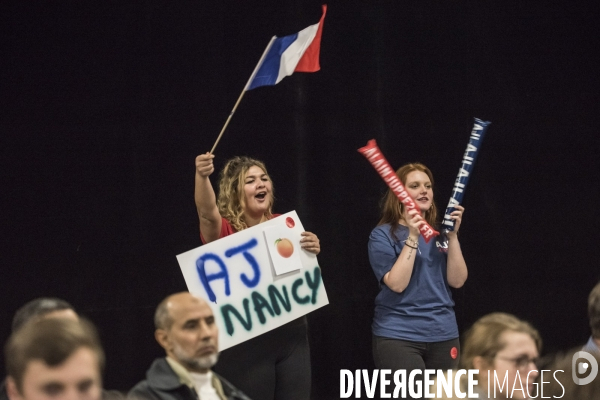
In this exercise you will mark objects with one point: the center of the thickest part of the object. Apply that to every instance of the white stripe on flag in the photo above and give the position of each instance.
(292, 55)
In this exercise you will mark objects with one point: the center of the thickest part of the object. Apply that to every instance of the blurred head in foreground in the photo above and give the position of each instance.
(594, 315)
(565, 369)
(504, 349)
(43, 307)
(54, 358)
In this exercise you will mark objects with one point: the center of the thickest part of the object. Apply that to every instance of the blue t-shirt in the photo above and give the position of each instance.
(424, 311)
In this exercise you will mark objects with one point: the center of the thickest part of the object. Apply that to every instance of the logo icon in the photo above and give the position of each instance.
(581, 367)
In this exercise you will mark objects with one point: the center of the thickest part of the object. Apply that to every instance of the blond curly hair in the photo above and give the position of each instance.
(231, 190)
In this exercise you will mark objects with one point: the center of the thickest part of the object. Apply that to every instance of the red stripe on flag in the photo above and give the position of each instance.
(310, 60)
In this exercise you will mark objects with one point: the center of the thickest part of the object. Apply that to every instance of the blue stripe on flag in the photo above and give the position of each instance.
(269, 70)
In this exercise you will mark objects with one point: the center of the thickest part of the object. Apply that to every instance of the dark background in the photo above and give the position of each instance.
(104, 106)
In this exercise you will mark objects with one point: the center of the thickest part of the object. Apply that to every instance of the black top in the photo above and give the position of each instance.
(3, 394)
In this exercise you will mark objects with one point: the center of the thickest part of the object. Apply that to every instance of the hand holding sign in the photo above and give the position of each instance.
(254, 287)
(310, 242)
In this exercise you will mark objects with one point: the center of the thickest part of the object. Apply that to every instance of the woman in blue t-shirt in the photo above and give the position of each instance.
(414, 326)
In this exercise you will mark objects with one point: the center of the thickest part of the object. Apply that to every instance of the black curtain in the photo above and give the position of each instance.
(104, 106)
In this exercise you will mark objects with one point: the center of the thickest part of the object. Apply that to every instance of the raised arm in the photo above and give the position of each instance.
(456, 266)
(206, 201)
(399, 276)
(381, 255)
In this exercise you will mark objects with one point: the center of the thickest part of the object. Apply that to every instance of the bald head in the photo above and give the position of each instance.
(186, 329)
(163, 317)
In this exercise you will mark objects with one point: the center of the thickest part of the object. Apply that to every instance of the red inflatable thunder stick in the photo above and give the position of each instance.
(382, 166)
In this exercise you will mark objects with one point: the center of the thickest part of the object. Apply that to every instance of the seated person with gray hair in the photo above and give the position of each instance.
(187, 331)
(593, 344)
(56, 358)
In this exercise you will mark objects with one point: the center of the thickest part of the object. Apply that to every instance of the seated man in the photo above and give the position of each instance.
(186, 329)
(43, 307)
(593, 345)
(54, 358)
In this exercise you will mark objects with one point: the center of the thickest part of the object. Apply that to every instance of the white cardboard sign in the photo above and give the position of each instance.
(255, 280)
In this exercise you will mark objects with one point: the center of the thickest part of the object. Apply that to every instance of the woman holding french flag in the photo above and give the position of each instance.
(276, 364)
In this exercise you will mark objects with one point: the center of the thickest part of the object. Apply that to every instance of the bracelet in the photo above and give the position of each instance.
(413, 241)
(412, 247)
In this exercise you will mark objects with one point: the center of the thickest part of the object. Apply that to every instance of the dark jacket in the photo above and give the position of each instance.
(162, 383)
(3, 394)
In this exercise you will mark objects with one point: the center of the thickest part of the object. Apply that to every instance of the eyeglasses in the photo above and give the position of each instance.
(521, 362)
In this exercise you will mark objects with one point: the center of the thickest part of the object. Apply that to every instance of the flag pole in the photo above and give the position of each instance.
(243, 91)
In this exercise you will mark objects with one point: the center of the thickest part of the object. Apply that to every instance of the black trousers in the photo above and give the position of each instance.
(395, 354)
(272, 366)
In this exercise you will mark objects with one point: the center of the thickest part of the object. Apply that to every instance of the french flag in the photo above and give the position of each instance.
(285, 55)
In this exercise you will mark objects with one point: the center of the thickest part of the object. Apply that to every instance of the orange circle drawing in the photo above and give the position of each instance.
(285, 248)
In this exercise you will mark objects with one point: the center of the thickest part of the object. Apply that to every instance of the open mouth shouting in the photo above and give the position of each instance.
(258, 191)
(261, 196)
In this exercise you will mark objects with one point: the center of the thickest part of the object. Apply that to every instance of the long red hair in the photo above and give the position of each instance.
(392, 210)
